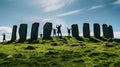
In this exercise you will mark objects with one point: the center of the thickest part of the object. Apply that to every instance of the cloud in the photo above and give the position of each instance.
(116, 2)
(58, 22)
(96, 7)
(117, 35)
(69, 13)
(29, 19)
(54, 20)
(0, 38)
(51, 5)
(7, 31)
(47, 19)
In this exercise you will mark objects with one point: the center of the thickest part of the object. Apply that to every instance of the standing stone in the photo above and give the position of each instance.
(47, 29)
(97, 30)
(110, 32)
(104, 28)
(75, 30)
(86, 30)
(34, 31)
(22, 32)
(14, 31)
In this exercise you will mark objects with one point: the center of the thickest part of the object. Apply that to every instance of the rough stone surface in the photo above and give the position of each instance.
(97, 30)
(34, 31)
(47, 29)
(22, 32)
(75, 30)
(110, 32)
(104, 28)
(14, 31)
(86, 30)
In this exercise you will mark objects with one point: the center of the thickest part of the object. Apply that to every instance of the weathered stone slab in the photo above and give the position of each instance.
(110, 31)
(86, 30)
(97, 30)
(47, 29)
(22, 32)
(34, 31)
(75, 30)
(14, 32)
(104, 28)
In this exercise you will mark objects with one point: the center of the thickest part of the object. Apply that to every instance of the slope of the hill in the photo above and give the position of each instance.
(61, 52)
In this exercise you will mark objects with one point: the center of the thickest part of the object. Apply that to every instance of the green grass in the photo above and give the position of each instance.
(91, 52)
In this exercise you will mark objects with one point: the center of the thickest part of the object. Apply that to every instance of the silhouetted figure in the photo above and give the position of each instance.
(59, 30)
(4, 37)
(54, 32)
(69, 31)
(41, 35)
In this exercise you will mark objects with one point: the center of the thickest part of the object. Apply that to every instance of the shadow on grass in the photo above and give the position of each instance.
(33, 41)
(101, 38)
(92, 39)
(48, 38)
(79, 38)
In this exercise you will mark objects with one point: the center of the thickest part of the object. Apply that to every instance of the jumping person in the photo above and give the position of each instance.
(59, 30)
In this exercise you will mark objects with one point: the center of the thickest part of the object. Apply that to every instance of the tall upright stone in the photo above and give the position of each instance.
(97, 30)
(14, 31)
(75, 30)
(86, 30)
(110, 32)
(104, 28)
(34, 31)
(22, 32)
(47, 29)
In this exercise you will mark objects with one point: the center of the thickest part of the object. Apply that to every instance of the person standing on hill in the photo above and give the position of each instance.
(4, 37)
(59, 30)
(54, 32)
(69, 30)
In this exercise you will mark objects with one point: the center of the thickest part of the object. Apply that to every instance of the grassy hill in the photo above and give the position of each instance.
(61, 52)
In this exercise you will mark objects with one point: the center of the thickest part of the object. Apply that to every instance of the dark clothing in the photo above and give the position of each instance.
(4, 38)
(40, 35)
(59, 30)
(68, 31)
(54, 32)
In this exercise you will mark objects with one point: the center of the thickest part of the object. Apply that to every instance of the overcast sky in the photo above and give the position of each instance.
(65, 12)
